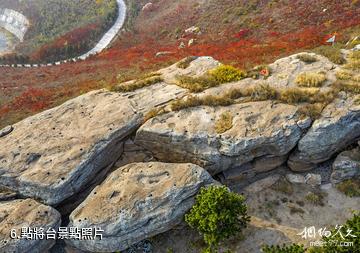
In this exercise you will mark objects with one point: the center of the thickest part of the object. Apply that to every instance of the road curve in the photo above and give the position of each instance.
(111, 33)
(104, 42)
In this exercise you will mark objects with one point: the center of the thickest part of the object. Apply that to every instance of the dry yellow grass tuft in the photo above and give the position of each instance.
(353, 64)
(196, 84)
(224, 123)
(332, 53)
(310, 79)
(312, 110)
(153, 113)
(307, 58)
(137, 84)
(185, 63)
(344, 75)
(348, 86)
(354, 55)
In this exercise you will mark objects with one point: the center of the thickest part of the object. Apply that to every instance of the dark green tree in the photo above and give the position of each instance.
(218, 214)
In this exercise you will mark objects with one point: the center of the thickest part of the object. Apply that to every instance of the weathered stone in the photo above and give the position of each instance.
(251, 169)
(295, 178)
(346, 166)
(6, 194)
(138, 201)
(259, 129)
(356, 48)
(5, 131)
(52, 155)
(285, 70)
(16, 214)
(237, 174)
(267, 163)
(313, 179)
(193, 30)
(338, 127)
(55, 154)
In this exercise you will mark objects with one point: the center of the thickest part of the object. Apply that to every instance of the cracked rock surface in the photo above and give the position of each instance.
(138, 201)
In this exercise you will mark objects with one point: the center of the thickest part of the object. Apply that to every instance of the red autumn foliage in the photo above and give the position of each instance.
(273, 32)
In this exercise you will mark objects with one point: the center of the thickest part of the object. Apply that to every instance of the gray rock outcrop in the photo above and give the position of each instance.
(26, 213)
(54, 154)
(259, 129)
(346, 166)
(338, 127)
(138, 201)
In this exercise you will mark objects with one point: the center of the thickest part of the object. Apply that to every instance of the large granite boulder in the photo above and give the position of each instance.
(55, 154)
(338, 127)
(346, 166)
(258, 130)
(138, 201)
(29, 214)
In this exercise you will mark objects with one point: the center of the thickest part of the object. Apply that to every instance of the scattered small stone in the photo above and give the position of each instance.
(295, 178)
(5, 131)
(313, 179)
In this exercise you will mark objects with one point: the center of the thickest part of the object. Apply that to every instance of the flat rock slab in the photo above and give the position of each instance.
(338, 127)
(138, 201)
(259, 129)
(52, 155)
(285, 70)
(26, 213)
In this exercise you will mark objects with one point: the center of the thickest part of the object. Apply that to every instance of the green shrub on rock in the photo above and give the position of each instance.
(218, 214)
(227, 73)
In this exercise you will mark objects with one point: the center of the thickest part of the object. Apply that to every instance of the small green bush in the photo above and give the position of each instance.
(220, 75)
(293, 248)
(307, 58)
(226, 74)
(218, 214)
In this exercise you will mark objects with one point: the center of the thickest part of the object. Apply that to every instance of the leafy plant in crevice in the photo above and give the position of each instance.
(217, 214)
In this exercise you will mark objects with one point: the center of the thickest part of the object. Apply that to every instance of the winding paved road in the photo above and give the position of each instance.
(100, 46)
(109, 35)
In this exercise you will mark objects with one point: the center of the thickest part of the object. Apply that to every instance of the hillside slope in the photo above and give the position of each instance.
(130, 160)
(243, 33)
